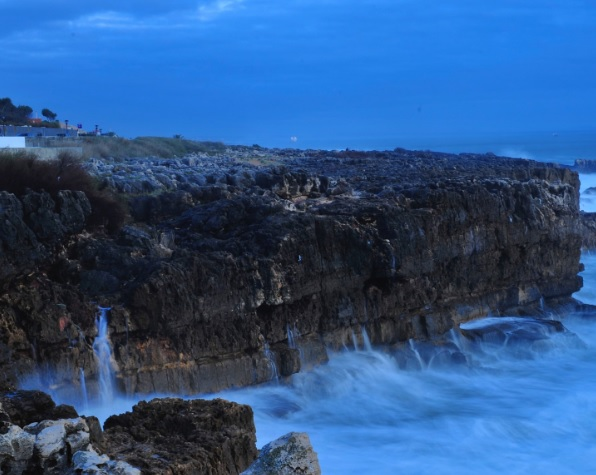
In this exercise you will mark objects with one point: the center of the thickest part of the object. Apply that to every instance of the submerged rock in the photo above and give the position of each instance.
(510, 330)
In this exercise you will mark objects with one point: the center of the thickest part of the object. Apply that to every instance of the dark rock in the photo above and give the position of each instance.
(229, 255)
(584, 166)
(184, 437)
(511, 329)
(25, 407)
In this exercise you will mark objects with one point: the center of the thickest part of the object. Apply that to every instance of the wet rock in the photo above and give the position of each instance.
(184, 437)
(227, 252)
(54, 447)
(90, 462)
(510, 330)
(24, 407)
(16, 450)
(291, 454)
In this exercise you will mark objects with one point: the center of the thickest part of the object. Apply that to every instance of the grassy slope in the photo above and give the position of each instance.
(117, 147)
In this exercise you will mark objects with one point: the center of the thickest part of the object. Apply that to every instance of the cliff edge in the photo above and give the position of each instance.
(250, 265)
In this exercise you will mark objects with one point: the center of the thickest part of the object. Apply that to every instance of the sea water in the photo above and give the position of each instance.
(505, 410)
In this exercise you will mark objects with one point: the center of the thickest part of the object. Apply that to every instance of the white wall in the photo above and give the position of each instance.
(12, 142)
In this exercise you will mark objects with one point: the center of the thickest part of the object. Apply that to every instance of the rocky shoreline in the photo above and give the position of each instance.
(252, 264)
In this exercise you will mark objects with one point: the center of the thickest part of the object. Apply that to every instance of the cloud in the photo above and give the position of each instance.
(216, 8)
(114, 20)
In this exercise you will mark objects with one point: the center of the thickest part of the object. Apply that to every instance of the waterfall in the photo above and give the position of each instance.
(415, 351)
(366, 340)
(83, 388)
(270, 357)
(455, 339)
(103, 353)
(292, 335)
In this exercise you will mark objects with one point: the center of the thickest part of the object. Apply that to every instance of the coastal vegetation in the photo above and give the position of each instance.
(11, 114)
(23, 171)
(162, 147)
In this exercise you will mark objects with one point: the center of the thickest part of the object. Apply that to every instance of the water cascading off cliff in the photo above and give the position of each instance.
(102, 349)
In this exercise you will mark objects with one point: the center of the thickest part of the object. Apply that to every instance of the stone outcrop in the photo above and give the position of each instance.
(172, 436)
(26, 407)
(231, 271)
(583, 165)
(61, 446)
(162, 436)
(291, 454)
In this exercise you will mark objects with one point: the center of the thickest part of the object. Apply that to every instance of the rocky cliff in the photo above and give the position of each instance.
(239, 268)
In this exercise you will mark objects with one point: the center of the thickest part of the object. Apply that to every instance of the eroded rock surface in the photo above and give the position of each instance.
(258, 260)
(172, 436)
(291, 454)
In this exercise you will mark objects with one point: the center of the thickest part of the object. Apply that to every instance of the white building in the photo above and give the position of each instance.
(12, 142)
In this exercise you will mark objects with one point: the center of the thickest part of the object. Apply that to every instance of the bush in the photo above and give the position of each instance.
(21, 171)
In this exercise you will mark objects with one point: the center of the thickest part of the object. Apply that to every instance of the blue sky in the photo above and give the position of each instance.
(333, 73)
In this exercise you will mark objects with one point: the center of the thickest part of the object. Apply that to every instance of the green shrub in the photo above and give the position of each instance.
(21, 171)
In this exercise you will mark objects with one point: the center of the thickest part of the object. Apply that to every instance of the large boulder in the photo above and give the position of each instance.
(184, 437)
(25, 407)
(291, 454)
(55, 447)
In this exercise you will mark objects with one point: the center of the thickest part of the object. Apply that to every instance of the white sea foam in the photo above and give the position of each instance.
(588, 192)
(495, 410)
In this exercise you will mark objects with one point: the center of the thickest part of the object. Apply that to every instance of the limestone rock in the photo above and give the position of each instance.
(24, 407)
(16, 449)
(183, 437)
(229, 251)
(90, 462)
(291, 454)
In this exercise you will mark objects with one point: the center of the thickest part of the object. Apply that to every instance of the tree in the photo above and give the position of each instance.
(24, 114)
(11, 114)
(48, 114)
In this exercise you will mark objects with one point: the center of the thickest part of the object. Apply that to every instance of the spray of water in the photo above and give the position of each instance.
(84, 396)
(103, 354)
(271, 358)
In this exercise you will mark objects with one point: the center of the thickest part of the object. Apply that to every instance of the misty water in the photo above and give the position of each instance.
(510, 406)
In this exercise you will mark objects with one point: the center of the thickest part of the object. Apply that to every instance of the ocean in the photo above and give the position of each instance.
(510, 408)
(547, 146)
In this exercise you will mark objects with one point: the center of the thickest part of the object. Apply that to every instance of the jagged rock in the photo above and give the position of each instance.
(31, 227)
(584, 165)
(44, 447)
(16, 450)
(89, 462)
(61, 446)
(230, 255)
(184, 437)
(74, 210)
(291, 454)
(24, 407)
